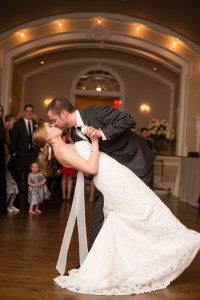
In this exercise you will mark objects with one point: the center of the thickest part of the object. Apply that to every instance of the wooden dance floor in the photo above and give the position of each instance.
(29, 248)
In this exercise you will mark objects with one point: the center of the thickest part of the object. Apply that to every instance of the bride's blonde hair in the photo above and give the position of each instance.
(44, 157)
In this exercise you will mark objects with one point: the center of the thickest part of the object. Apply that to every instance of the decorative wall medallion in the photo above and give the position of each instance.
(99, 33)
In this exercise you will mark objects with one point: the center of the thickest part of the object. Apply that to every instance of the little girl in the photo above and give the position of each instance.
(37, 189)
(11, 186)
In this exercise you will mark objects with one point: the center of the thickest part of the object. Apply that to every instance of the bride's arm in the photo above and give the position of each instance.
(67, 155)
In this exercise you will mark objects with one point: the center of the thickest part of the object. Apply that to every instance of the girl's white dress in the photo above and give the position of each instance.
(141, 247)
(36, 195)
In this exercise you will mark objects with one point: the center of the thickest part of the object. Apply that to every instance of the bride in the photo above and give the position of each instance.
(141, 247)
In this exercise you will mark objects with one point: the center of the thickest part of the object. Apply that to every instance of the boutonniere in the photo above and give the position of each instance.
(35, 125)
(83, 129)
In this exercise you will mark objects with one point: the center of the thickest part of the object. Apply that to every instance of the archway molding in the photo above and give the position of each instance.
(114, 40)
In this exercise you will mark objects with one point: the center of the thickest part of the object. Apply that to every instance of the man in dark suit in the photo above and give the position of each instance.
(115, 138)
(21, 145)
(144, 134)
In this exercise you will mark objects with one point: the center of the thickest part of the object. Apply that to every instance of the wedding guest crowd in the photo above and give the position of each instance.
(17, 152)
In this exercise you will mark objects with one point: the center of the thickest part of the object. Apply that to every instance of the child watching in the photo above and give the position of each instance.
(37, 189)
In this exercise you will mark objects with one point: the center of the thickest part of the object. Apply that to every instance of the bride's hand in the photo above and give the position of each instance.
(92, 133)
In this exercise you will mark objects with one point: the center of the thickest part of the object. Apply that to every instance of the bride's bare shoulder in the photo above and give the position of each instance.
(64, 154)
(67, 147)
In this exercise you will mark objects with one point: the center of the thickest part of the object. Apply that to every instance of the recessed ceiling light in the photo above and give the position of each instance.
(175, 41)
(21, 33)
(155, 69)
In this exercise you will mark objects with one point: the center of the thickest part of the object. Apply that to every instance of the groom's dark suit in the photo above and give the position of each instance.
(122, 144)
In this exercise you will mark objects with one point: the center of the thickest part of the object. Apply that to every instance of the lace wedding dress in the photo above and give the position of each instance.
(141, 247)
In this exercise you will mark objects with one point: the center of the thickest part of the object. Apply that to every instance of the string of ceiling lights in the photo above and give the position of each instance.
(99, 21)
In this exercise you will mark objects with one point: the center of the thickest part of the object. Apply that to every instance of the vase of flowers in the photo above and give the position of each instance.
(160, 131)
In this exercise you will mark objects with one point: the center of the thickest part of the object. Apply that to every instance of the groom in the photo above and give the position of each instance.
(115, 138)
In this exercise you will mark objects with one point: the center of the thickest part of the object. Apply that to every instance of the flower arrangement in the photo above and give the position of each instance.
(160, 129)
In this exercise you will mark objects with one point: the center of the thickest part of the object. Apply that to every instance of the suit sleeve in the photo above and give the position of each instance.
(114, 122)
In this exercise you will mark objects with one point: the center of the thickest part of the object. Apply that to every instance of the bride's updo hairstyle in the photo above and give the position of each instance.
(44, 157)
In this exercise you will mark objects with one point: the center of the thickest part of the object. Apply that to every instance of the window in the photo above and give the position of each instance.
(98, 80)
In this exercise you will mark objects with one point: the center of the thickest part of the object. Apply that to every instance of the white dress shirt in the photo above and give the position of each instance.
(31, 123)
(26, 123)
(80, 123)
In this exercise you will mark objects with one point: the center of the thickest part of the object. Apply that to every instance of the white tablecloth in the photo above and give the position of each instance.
(189, 185)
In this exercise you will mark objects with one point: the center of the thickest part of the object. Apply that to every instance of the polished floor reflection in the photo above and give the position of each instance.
(29, 248)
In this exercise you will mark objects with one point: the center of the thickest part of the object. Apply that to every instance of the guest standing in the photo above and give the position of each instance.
(144, 134)
(2, 165)
(11, 186)
(21, 146)
(9, 122)
(67, 176)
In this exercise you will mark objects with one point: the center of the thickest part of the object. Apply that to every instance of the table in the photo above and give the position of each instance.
(189, 184)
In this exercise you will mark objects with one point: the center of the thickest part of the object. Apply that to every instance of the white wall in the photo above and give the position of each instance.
(139, 88)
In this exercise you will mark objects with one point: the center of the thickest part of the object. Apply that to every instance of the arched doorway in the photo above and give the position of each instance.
(98, 85)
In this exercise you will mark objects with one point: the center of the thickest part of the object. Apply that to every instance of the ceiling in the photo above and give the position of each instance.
(181, 16)
(31, 66)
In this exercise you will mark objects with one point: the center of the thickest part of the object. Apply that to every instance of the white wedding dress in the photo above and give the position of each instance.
(141, 247)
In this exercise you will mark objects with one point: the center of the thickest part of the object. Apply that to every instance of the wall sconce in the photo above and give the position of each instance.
(98, 89)
(47, 101)
(59, 23)
(145, 108)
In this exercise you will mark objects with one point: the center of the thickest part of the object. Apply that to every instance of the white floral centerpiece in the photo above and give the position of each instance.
(160, 130)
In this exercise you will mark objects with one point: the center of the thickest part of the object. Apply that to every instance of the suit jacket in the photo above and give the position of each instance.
(149, 143)
(19, 143)
(122, 144)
